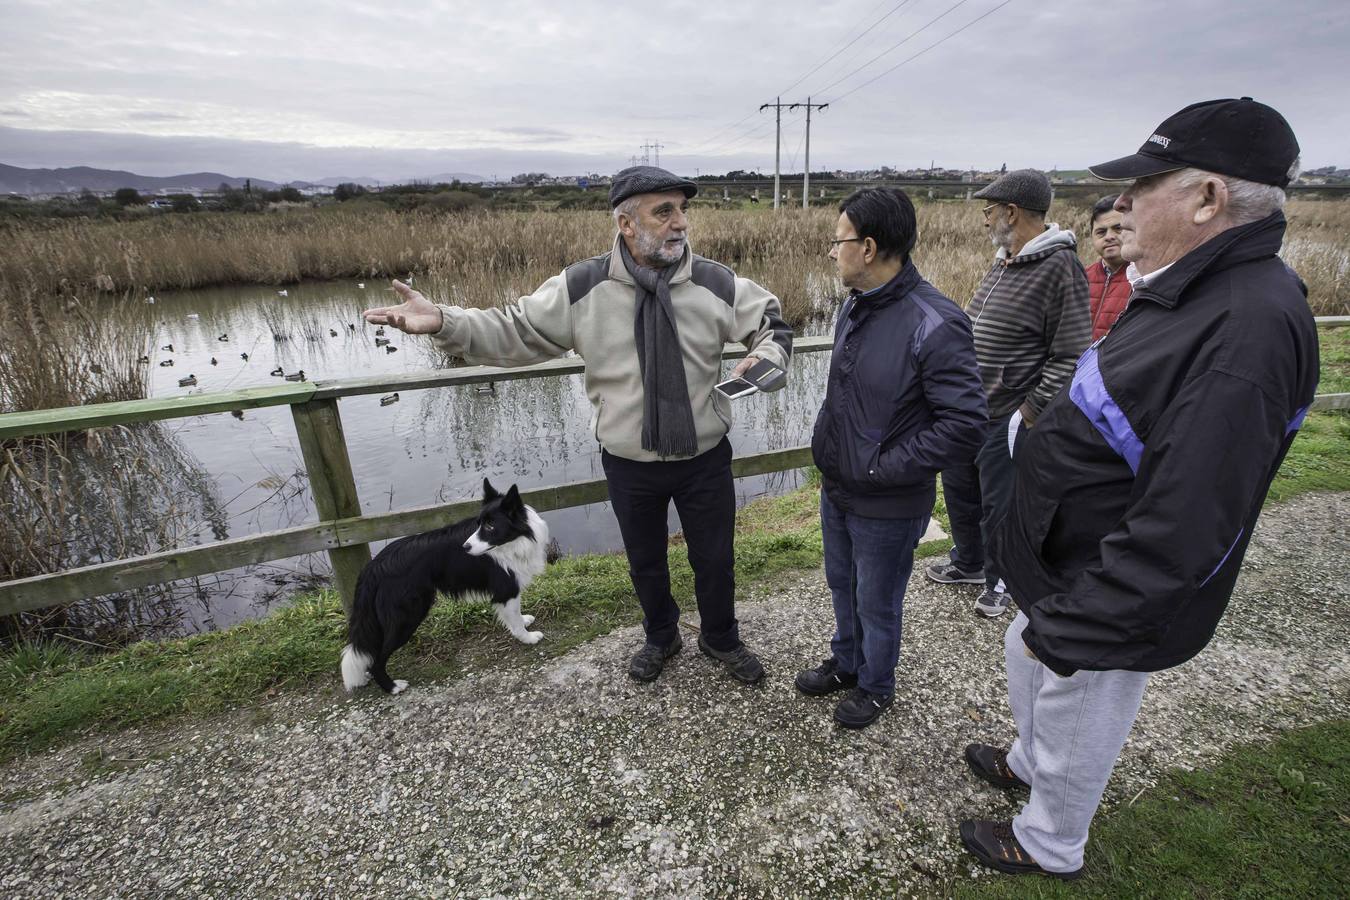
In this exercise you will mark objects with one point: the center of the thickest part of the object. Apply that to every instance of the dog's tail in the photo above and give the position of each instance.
(364, 636)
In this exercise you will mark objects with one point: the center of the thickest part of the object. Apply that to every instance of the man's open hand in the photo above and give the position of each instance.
(415, 315)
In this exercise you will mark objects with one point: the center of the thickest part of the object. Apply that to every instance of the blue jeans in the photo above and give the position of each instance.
(867, 566)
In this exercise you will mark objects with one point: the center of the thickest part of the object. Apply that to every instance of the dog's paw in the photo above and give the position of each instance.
(399, 686)
(531, 637)
(527, 619)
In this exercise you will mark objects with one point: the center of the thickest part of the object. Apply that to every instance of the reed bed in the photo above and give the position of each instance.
(484, 258)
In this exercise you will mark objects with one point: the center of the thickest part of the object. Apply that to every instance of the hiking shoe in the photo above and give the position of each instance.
(741, 663)
(992, 603)
(949, 572)
(648, 662)
(995, 845)
(825, 679)
(861, 708)
(991, 764)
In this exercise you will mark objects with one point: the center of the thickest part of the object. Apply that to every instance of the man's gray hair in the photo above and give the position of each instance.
(1247, 200)
(627, 208)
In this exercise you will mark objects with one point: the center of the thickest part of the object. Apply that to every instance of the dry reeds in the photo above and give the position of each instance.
(483, 258)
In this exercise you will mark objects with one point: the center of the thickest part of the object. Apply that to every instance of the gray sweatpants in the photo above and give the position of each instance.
(1069, 734)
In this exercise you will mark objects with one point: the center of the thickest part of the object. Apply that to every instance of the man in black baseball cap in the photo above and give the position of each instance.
(1139, 488)
(651, 320)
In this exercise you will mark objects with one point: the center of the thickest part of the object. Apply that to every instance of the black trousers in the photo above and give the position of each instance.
(705, 499)
(978, 496)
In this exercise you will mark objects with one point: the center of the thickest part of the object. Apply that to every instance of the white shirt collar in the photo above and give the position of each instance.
(1138, 281)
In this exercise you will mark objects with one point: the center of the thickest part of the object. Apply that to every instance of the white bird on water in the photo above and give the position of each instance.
(282, 293)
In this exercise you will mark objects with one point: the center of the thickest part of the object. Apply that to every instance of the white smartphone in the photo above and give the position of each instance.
(735, 387)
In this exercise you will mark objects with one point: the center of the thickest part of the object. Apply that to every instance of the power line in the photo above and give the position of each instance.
(893, 47)
(859, 37)
(923, 51)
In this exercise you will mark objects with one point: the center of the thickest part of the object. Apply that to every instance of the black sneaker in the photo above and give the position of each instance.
(861, 708)
(992, 602)
(991, 764)
(648, 662)
(825, 679)
(948, 572)
(995, 845)
(741, 663)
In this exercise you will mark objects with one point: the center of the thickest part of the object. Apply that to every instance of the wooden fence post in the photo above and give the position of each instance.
(324, 448)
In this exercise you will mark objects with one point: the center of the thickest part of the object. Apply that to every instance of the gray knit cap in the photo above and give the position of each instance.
(646, 180)
(1027, 188)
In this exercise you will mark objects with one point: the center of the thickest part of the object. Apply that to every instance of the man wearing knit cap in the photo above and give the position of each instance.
(650, 318)
(1140, 486)
(1031, 322)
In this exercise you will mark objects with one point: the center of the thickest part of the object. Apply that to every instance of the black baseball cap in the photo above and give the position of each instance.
(1238, 138)
(647, 180)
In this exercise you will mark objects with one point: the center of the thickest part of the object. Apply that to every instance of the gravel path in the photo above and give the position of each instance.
(564, 778)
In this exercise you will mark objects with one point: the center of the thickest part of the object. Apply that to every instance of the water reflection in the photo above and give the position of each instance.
(431, 446)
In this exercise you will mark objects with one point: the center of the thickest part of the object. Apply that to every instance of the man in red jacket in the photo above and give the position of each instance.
(1108, 285)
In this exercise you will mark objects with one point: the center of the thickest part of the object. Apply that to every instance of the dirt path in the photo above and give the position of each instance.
(567, 779)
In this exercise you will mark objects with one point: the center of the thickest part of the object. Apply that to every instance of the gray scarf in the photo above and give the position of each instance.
(667, 417)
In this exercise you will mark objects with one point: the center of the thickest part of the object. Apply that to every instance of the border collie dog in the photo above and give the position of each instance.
(492, 556)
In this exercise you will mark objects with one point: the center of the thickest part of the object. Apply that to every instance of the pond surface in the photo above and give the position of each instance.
(431, 446)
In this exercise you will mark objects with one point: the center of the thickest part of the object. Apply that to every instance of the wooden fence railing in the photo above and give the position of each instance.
(342, 530)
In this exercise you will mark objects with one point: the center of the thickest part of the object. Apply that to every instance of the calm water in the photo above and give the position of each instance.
(236, 477)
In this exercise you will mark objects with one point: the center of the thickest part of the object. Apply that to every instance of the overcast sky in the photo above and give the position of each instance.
(403, 88)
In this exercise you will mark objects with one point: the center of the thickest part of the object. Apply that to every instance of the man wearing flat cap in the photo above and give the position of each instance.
(1139, 488)
(650, 318)
(1031, 321)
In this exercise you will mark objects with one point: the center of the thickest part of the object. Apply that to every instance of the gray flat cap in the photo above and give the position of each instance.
(1027, 188)
(647, 180)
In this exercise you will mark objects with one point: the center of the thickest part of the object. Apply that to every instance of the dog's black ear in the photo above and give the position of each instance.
(513, 498)
(489, 492)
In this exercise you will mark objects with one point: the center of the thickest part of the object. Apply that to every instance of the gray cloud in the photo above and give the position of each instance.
(413, 87)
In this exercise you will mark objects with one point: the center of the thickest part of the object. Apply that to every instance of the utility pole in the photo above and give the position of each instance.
(806, 174)
(651, 145)
(777, 145)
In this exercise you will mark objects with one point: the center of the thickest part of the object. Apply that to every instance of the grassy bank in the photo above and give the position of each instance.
(54, 691)
(1267, 821)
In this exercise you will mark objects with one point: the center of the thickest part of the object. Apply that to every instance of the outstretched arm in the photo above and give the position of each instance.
(415, 315)
(532, 329)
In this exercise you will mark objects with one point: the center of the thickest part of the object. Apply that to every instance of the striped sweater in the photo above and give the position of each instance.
(1031, 323)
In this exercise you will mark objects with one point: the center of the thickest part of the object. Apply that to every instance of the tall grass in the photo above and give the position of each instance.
(485, 257)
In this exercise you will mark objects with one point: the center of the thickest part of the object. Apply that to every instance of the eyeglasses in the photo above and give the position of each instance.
(837, 241)
(989, 207)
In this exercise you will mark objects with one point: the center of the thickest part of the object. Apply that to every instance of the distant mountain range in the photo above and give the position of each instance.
(14, 180)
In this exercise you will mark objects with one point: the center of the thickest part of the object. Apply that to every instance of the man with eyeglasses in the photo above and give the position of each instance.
(903, 401)
(1031, 323)
(650, 318)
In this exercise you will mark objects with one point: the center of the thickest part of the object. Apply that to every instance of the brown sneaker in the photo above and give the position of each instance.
(995, 845)
(991, 764)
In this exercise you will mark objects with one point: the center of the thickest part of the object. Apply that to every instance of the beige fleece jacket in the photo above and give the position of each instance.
(589, 308)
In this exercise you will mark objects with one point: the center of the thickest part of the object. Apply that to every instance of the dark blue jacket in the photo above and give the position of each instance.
(1138, 488)
(903, 402)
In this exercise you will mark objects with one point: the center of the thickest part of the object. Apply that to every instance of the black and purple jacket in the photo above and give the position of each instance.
(1138, 488)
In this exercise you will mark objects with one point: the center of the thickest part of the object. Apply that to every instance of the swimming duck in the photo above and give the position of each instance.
(387, 399)
(278, 371)
(390, 349)
(244, 357)
(188, 381)
(166, 362)
(213, 361)
(298, 376)
(380, 342)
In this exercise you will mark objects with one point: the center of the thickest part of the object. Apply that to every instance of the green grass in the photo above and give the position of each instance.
(53, 692)
(1335, 352)
(1269, 820)
(50, 693)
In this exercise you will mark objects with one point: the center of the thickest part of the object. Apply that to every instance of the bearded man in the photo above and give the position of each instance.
(1031, 323)
(650, 318)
